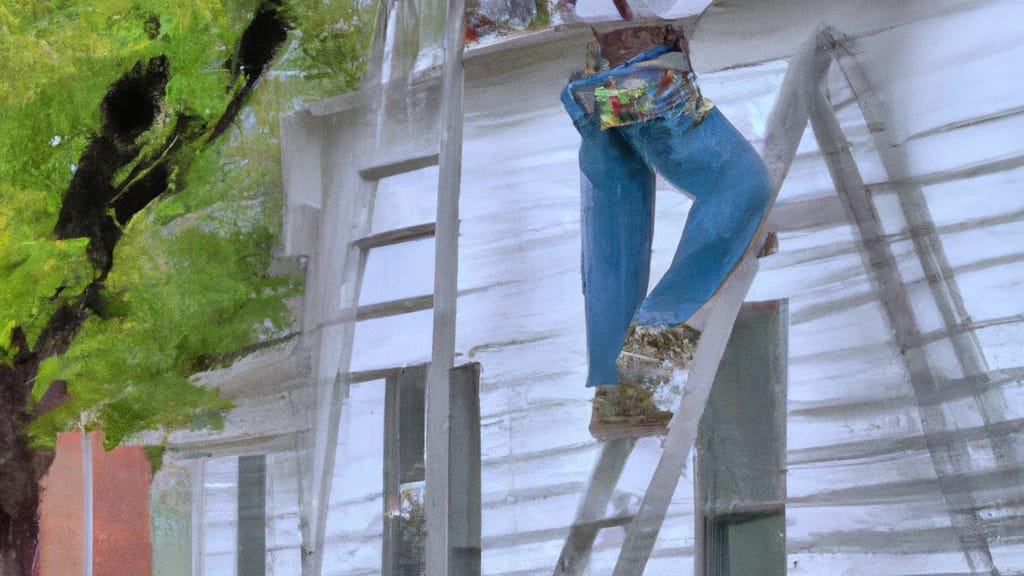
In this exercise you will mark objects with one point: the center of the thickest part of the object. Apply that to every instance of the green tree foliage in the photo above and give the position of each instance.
(189, 281)
(139, 207)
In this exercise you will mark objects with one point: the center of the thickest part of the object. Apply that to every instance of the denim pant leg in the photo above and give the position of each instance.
(714, 163)
(617, 197)
(709, 159)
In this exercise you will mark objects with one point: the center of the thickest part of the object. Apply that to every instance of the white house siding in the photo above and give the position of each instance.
(219, 509)
(864, 495)
(284, 540)
(863, 490)
(355, 519)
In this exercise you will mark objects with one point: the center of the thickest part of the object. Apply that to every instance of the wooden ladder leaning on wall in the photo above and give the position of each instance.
(407, 116)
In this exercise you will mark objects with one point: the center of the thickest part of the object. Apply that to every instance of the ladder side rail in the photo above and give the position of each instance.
(589, 517)
(375, 63)
(335, 392)
(446, 254)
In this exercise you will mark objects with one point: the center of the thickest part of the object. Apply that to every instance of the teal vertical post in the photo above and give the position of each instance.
(252, 515)
(741, 452)
(464, 487)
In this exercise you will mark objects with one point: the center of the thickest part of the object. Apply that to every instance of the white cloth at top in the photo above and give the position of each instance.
(604, 10)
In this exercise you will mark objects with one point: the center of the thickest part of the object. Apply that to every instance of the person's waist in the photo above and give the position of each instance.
(647, 86)
(660, 57)
(631, 83)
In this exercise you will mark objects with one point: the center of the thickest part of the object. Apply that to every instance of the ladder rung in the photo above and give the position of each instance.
(578, 546)
(608, 522)
(400, 166)
(395, 307)
(396, 236)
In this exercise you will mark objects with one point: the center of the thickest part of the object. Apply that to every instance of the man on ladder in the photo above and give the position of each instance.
(638, 110)
(642, 112)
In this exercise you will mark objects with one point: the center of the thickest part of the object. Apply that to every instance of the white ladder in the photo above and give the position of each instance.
(395, 124)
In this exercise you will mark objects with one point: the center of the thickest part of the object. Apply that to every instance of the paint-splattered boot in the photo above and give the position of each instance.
(652, 369)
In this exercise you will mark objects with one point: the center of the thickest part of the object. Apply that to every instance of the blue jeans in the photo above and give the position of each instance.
(693, 146)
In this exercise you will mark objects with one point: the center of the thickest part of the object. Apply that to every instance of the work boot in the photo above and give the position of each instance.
(652, 369)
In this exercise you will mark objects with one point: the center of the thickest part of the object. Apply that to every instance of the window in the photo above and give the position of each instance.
(405, 520)
(741, 450)
(404, 472)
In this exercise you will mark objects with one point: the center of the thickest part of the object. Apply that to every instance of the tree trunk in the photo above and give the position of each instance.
(21, 468)
(9, 563)
(19, 487)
